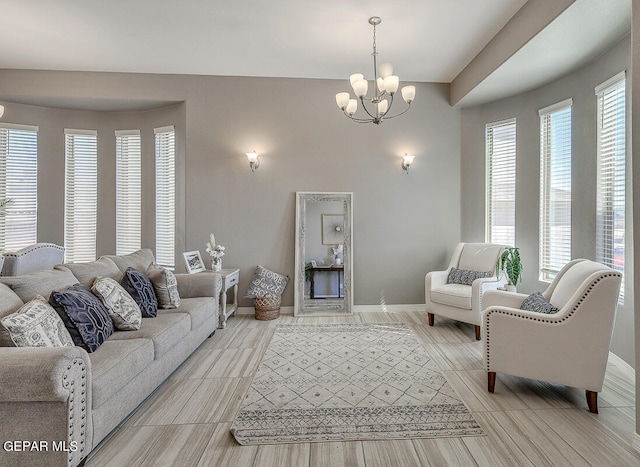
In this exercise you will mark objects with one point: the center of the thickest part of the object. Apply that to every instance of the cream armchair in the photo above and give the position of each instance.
(460, 301)
(570, 347)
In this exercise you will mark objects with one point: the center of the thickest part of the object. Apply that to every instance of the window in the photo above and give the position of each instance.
(611, 134)
(555, 188)
(501, 182)
(80, 195)
(165, 196)
(19, 183)
(128, 191)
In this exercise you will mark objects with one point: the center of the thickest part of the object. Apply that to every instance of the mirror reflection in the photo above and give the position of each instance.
(323, 253)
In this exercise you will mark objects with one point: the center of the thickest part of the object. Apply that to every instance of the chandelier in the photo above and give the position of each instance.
(385, 87)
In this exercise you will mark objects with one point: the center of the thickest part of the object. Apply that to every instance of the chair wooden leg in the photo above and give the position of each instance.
(478, 333)
(592, 401)
(491, 381)
(430, 317)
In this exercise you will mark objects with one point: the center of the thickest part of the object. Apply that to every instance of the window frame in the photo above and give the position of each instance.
(500, 173)
(556, 148)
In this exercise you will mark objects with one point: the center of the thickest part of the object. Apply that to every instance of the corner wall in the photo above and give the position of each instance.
(524, 107)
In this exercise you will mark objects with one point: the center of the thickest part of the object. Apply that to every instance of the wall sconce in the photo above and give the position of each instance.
(407, 160)
(1, 110)
(254, 162)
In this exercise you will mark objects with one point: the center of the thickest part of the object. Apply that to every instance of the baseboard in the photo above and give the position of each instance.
(635, 442)
(288, 310)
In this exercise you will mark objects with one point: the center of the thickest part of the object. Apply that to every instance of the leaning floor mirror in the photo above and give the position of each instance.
(324, 258)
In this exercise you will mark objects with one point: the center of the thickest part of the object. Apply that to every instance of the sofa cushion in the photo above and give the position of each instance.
(87, 272)
(266, 282)
(141, 290)
(36, 324)
(115, 364)
(165, 330)
(9, 302)
(123, 309)
(536, 302)
(456, 295)
(466, 276)
(165, 285)
(84, 315)
(199, 309)
(140, 260)
(29, 286)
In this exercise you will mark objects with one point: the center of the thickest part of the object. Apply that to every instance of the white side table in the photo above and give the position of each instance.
(230, 278)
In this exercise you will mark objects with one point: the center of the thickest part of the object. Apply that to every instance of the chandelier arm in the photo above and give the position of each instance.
(403, 112)
(358, 119)
(365, 108)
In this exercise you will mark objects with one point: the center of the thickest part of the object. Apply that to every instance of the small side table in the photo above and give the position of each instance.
(230, 278)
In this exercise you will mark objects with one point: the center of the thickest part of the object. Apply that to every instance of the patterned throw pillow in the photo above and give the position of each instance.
(141, 290)
(36, 324)
(466, 277)
(123, 309)
(266, 282)
(536, 302)
(166, 286)
(84, 315)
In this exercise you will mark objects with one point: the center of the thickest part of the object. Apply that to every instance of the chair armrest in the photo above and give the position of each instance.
(501, 298)
(436, 279)
(204, 284)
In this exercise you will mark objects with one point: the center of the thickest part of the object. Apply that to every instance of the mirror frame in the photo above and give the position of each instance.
(324, 307)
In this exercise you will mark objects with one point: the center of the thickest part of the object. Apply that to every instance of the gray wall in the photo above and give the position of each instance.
(403, 225)
(524, 107)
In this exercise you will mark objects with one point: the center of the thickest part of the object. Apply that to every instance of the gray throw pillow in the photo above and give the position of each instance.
(536, 302)
(166, 286)
(466, 277)
(36, 324)
(266, 282)
(122, 309)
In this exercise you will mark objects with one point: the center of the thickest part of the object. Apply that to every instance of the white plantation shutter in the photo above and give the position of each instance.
(128, 191)
(18, 182)
(555, 188)
(165, 196)
(501, 182)
(611, 131)
(81, 192)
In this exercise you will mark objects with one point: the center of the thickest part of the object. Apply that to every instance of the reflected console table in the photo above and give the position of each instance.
(339, 268)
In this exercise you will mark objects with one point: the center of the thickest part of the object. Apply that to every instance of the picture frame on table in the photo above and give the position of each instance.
(194, 262)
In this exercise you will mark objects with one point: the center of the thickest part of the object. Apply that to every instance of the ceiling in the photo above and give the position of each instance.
(426, 41)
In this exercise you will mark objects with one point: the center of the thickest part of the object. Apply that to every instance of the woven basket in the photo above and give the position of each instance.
(267, 308)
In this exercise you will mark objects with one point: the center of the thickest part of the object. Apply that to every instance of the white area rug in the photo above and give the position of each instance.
(339, 382)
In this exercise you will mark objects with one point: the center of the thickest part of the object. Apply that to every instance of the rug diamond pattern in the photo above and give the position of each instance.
(345, 382)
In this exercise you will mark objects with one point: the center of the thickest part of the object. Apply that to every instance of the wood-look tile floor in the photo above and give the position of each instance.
(528, 423)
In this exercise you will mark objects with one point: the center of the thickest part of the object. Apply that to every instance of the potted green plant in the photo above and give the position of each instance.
(510, 263)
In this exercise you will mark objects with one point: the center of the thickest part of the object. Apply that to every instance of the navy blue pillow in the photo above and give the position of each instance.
(141, 289)
(84, 315)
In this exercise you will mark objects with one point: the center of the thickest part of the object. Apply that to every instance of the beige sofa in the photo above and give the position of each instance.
(64, 401)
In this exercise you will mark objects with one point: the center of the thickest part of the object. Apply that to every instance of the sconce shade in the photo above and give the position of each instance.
(355, 77)
(254, 162)
(1, 110)
(382, 107)
(407, 160)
